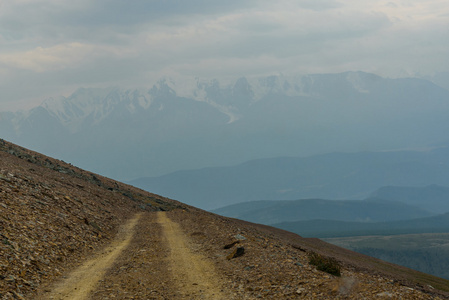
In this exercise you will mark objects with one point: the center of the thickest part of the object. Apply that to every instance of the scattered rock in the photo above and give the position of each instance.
(239, 251)
(240, 237)
(229, 246)
(345, 286)
(3, 177)
(49, 220)
(18, 296)
(298, 248)
(385, 294)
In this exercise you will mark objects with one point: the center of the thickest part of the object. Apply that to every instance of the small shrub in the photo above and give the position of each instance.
(326, 264)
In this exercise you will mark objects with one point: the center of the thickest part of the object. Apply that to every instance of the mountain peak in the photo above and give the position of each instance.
(275, 115)
(98, 103)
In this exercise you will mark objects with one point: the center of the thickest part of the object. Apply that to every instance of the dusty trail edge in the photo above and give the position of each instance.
(194, 274)
(82, 281)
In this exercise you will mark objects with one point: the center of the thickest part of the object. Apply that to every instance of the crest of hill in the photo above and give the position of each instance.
(54, 215)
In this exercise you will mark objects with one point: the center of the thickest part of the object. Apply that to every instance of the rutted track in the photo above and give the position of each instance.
(150, 258)
(82, 281)
(193, 273)
(180, 255)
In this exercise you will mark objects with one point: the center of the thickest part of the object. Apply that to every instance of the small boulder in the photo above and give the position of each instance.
(229, 246)
(240, 237)
(239, 251)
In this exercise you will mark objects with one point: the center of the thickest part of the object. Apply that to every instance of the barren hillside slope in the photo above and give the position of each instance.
(58, 221)
(53, 215)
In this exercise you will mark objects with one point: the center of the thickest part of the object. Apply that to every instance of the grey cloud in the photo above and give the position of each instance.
(319, 5)
(392, 4)
(101, 20)
(276, 40)
(117, 12)
(93, 43)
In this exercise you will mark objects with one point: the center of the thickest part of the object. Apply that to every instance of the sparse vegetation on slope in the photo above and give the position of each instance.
(425, 252)
(326, 264)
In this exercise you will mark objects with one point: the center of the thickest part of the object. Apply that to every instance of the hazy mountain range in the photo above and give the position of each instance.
(370, 210)
(172, 126)
(329, 176)
(331, 228)
(403, 225)
(389, 210)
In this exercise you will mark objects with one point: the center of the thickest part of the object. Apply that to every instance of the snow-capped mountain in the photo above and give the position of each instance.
(230, 99)
(175, 125)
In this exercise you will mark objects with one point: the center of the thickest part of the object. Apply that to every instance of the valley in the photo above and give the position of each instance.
(426, 252)
(332, 176)
(398, 231)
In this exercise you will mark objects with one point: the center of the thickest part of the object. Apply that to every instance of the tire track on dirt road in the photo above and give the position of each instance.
(83, 280)
(194, 274)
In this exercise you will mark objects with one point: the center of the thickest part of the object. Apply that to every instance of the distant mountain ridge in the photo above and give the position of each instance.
(96, 103)
(433, 197)
(318, 217)
(366, 211)
(190, 124)
(333, 228)
(330, 176)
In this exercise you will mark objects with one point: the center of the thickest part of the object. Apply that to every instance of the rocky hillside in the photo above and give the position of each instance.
(53, 216)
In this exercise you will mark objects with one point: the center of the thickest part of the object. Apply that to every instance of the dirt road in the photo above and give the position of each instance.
(151, 258)
(180, 254)
(194, 275)
(83, 280)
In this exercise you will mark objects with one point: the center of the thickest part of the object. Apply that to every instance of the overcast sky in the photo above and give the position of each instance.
(52, 47)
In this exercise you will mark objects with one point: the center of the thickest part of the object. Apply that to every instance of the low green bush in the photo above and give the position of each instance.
(326, 264)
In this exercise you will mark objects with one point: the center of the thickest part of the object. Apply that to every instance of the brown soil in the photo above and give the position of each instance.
(276, 265)
(161, 263)
(193, 273)
(55, 218)
(82, 281)
(181, 255)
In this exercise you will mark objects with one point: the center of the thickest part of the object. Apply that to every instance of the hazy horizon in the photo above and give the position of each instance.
(51, 48)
